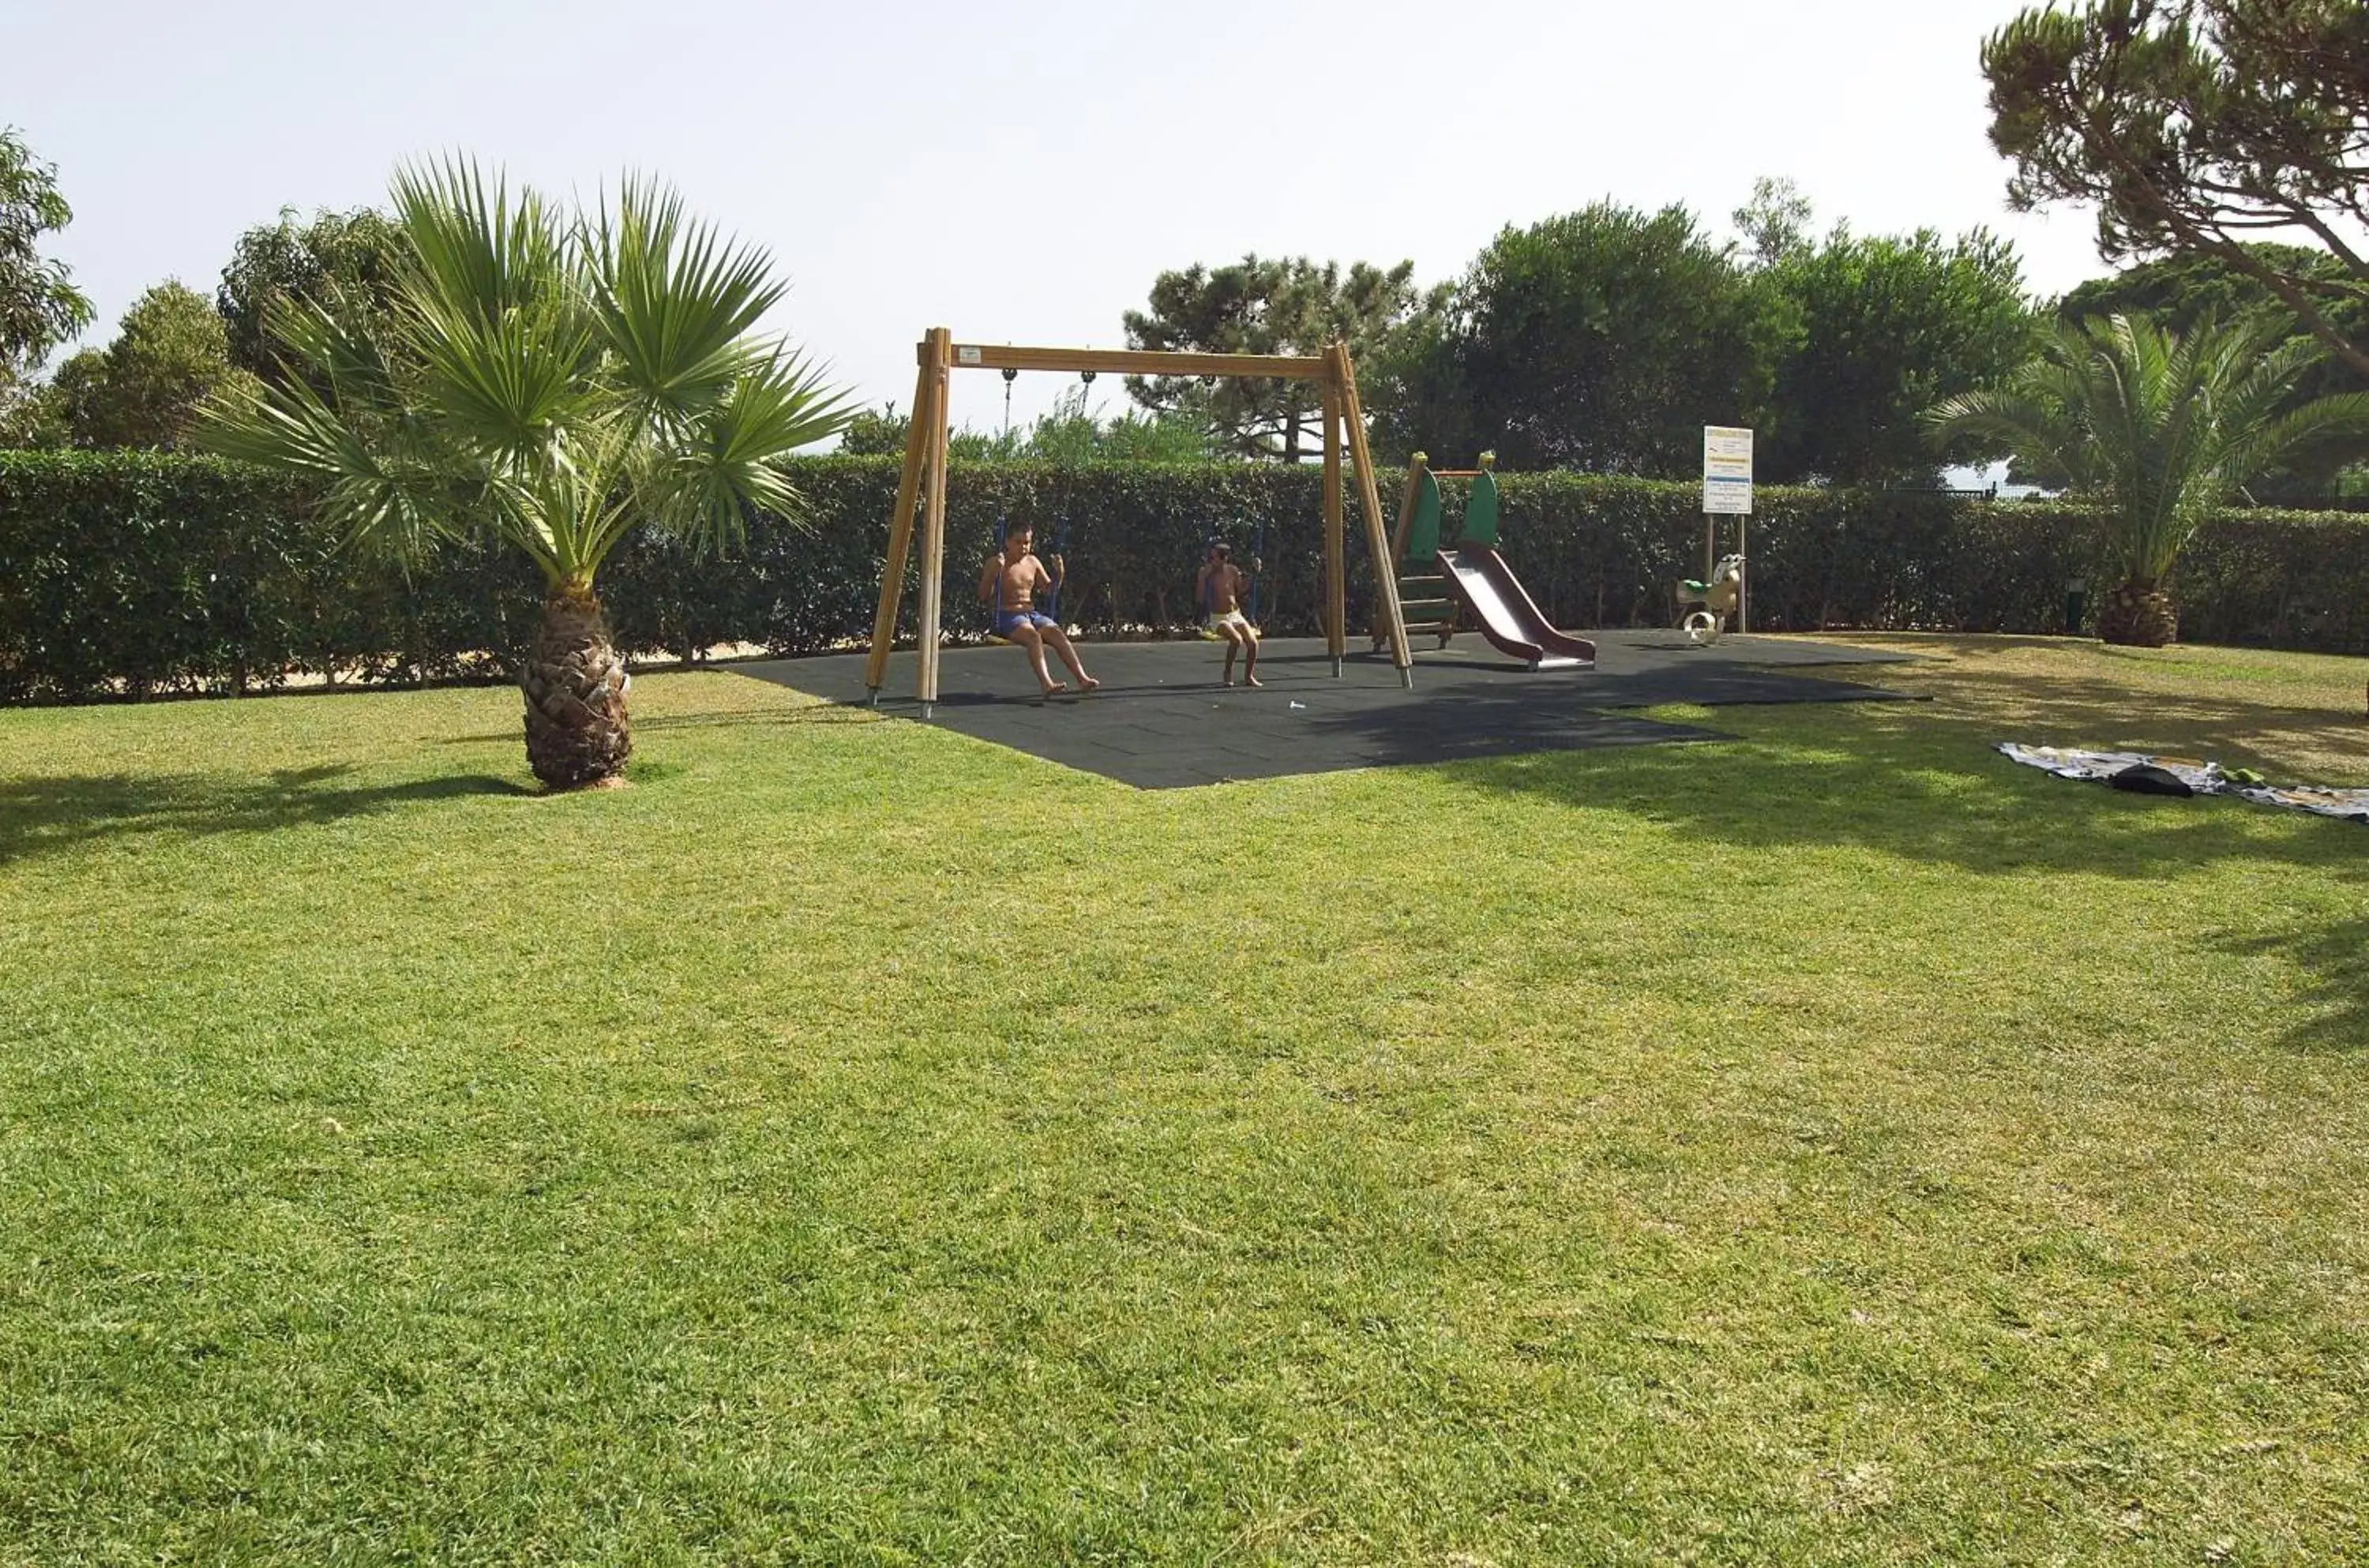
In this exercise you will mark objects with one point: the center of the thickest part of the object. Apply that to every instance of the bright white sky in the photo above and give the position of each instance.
(1018, 173)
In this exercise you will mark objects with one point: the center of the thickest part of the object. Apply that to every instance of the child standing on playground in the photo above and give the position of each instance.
(1220, 590)
(1012, 578)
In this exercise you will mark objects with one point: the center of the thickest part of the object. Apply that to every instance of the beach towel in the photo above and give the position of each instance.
(2201, 776)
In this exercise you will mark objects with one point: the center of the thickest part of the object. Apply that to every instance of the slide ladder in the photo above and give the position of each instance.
(1424, 597)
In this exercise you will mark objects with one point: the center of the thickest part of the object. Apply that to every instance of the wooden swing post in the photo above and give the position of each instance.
(933, 530)
(1370, 496)
(1333, 609)
(900, 524)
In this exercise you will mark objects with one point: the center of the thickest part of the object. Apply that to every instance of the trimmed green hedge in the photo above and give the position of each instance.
(135, 573)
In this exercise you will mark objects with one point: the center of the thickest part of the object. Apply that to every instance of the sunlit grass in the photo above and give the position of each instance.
(2305, 716)
(858, 1143)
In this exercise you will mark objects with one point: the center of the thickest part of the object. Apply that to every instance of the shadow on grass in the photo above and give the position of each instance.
(2105, 715)
(733, 718)
(721, 718)
(2336, 958)
(1931, 790)
(1922, 781)
(41, 814)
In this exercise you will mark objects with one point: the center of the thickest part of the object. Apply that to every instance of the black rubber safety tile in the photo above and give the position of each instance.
(1162, 720)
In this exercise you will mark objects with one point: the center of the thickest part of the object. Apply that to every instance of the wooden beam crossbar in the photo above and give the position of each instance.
(1136, 361)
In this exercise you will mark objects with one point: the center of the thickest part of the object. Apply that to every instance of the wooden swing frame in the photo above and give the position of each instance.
(921, 485)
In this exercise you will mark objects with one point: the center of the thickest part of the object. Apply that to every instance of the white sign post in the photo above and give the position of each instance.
(1727, 489)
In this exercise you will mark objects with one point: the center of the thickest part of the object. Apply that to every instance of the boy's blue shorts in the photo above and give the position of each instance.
(1009, 621)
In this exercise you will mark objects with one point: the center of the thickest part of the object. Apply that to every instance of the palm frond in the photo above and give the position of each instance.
(509, 384)
(2164, 424)
(492, 313)
(550, 380)
(476, 249)
(388, 492)
(2028, 419)
(2266, 444)
(729, 459)
(676, 302)
(2257, 388)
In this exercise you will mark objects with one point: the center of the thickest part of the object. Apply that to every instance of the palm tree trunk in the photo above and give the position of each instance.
(2138, 614)
(574, 683)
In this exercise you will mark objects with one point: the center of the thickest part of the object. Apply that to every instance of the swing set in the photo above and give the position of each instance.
(921, 484)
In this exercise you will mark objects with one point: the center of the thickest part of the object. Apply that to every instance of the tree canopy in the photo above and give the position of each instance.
(1263, 305)
(1865, 334)
(559, 379)
(1070, 432)
(346, 262)
(145, 388)
(1603, 339)
(2195, 126)
(1607, 338)
(39, 306)
(1775, 221)
(2163, 424)
(2186, 293)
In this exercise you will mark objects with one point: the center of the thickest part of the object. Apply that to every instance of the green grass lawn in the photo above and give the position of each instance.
(854, 1144)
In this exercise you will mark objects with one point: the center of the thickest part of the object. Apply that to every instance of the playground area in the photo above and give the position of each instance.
(1153, 715)
(1162, 719)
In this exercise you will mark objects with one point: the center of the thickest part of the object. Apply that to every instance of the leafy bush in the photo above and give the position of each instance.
(140, 573)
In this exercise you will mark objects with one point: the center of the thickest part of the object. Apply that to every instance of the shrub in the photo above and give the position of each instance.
(140, 573)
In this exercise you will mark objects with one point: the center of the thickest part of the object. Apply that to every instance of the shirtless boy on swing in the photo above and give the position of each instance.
(1220, 589)
(1011, 578)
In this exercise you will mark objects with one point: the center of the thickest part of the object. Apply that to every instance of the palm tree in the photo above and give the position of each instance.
(550, 380)
(2161, 427)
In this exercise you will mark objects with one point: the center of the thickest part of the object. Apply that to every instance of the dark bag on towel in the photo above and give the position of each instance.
(2145, 778)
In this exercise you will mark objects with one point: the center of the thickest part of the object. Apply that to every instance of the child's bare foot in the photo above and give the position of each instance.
(1252, 680)
(1052, 688)
(1229, 680)
(1087, 683)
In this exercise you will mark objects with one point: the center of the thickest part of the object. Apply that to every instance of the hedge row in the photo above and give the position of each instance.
(139, 573)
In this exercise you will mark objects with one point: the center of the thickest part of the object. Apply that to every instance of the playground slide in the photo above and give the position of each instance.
(1479, 576)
